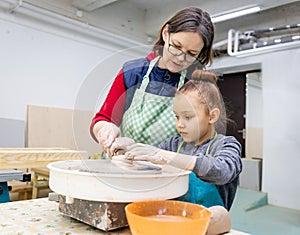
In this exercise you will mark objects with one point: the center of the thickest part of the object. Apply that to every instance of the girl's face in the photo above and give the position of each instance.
(193, 121)
(178, 50)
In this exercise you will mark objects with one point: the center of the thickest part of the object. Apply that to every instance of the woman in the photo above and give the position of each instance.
(139, 103)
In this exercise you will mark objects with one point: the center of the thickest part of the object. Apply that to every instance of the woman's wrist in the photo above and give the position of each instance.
(97, 127)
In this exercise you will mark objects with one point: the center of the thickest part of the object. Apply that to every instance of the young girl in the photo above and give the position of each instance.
(140, 100)
(213, 158)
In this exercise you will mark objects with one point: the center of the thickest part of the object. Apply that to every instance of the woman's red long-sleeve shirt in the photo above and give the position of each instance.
(114, 105)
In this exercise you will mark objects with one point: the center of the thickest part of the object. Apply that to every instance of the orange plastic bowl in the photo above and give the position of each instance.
(166, 217)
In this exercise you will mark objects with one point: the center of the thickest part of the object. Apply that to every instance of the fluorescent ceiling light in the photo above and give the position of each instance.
(91, 5)
(234, 14)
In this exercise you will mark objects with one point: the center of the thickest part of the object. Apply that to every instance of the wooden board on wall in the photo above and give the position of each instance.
(59, 127)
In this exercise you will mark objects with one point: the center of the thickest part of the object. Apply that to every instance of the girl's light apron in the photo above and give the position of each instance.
(150, 118)
(201, 192)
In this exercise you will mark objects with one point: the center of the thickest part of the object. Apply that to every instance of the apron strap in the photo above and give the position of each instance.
(180, 146)
(153, 62)
(213, 140)
(181, 79)
(208, 148)
(146, 77)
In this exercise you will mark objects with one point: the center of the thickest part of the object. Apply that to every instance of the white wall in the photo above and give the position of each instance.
(281, 136)
(281, 164)
(41, 68)
(48, 62)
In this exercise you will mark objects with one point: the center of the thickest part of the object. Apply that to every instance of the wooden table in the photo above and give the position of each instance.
(36, 159)
(20, 158)
(41, 217)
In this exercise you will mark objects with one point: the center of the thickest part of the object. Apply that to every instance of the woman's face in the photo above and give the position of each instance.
(190, 43)
(192, 118)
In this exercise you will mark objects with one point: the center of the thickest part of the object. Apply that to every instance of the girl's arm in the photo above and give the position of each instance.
(223, 166)
(219, 168)
(145, 152)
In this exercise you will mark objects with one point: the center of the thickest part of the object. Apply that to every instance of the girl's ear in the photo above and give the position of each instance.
(165, 33)
(214, 115)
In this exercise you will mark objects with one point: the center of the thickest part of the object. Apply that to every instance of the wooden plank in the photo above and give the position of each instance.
(59, 127)
(34, 148)
(29, 158)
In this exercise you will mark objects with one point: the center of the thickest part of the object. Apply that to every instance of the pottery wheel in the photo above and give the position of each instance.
(117, 180)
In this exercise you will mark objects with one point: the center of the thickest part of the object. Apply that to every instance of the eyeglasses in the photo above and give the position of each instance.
(174, 50)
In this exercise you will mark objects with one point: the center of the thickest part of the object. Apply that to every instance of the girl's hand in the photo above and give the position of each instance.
(145, 152)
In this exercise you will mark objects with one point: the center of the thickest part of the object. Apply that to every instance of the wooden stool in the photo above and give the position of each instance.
(23, 190)
(40, 180)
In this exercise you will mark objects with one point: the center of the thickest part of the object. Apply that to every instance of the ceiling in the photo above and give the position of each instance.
(140, 20)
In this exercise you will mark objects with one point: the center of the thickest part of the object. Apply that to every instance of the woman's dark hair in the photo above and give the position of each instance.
(190, 19)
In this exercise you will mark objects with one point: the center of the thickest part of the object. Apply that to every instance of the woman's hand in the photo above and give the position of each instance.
(120, 145)
(106, 133)
(145, 152)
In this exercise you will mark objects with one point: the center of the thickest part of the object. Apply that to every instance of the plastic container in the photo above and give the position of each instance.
(167, 217)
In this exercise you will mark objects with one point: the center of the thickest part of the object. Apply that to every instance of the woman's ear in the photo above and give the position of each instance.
(214, 115)
(165, 33)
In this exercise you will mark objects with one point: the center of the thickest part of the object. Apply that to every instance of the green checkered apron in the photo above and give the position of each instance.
(150, 118)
